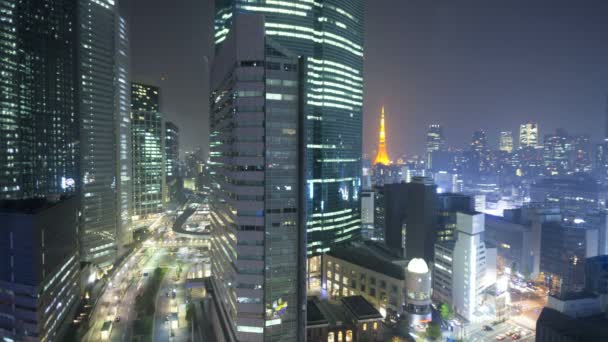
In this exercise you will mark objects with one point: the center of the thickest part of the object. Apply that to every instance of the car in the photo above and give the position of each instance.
(515, 336)
(500, 337)
(487, 328)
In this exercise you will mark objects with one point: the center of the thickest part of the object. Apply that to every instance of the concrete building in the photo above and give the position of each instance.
(367, 214)
(513, 241)
(367, 270)
(564, 248)
(39, 268)
(257, 194)
(460, 266)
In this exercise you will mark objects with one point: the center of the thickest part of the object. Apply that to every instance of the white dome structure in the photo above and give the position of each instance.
(417, 265)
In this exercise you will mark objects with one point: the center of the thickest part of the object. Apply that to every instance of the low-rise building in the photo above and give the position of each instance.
(368, 270)
(572, 318)
(351, 319)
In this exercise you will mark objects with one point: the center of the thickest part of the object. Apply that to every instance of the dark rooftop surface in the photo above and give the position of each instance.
(30, 205)
(361, 308)
(314, 315)
(370, 257)
(594, 328)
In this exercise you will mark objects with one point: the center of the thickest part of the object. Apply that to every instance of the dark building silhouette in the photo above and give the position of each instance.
(39, 267)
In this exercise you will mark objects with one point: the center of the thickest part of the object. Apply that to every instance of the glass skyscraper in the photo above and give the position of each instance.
(102, 38)
(148, 151)
(329, 34)
(171, 149)
(258, 252)
(122, 101)
(39, 147)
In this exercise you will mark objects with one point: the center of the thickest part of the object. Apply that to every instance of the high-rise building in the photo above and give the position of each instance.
(39, 267)
(39, 148)
(580, 154)
(556, 153)
(480, 154)
(171, 149)
(124, 173)
(506, 141)
(448, 205)
(528, 135)
(460, 266)
(148, 151)
(382, 156)
(329, 34)
(435, 142)
(98, 119)
(420, 219)
(564, 248)
(257, 186)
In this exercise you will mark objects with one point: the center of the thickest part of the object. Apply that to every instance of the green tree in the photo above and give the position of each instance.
(433, 331)
(446, 312)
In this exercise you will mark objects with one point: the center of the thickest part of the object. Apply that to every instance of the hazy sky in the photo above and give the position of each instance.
(483, 64)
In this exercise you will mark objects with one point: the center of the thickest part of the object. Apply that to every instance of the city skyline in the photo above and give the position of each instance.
(446, 46)
(207, 173)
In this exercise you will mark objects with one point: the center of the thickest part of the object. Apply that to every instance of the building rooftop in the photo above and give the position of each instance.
(335, 313)
(361, 308)
(31, 205)
(593, 328)
(314, 316)
(372, 257)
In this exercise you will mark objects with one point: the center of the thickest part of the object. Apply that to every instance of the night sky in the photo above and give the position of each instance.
(465, 64)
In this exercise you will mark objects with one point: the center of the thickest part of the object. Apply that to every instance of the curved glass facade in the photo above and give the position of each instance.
(329, 33)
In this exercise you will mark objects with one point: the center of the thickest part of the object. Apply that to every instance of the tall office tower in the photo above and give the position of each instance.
(39, 148)
(528, 135)
(39, 267)
(580, 154)
(382, 156)
(124, 173)
(257, 182)
(506, 141)
(148, 159)
(171, 149)
(435, 142)
(97, 65)
(479, 162)
(420, 219)
(329, 34)
(479, 142)
(556, 150)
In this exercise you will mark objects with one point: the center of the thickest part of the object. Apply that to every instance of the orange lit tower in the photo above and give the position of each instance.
(382, 156)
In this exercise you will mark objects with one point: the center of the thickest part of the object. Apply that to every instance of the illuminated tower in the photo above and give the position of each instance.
(382, 156)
